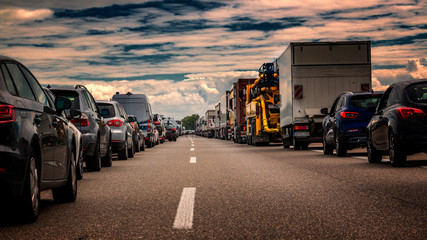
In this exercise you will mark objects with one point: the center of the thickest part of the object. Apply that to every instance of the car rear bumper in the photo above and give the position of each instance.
(117, 145)
(12, 173)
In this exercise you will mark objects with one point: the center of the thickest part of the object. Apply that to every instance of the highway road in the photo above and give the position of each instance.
(199, 188)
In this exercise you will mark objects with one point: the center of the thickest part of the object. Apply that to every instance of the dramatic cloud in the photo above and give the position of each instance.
(185, 54)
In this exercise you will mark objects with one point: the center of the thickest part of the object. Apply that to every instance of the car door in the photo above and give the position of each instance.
(102, 125)
(378, 126)
(330, 121)
(60, 131)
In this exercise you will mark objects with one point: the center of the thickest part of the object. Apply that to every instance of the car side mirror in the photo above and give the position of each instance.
(324, 111)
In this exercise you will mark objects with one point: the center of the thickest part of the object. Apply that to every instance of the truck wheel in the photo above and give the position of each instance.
(67, 193)
(297, 144)
(340, 146)
(396, 153)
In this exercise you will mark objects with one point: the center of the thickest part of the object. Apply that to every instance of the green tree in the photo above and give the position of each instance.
(189, 121)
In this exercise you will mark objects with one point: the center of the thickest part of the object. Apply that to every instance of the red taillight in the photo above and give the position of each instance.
(83, 120)
(7, 114)
(148, 125)
(2, 170)
(115, 123)
(301, 127)
(406, 112)
(173, 129)
(244, 128)
(157, 122)
(349, 114)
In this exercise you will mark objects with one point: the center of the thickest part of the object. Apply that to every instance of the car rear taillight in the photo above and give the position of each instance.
(83, 120)
(349, 114)
(133, 125)
(300, 127)
(244, 128)
(405, 112)
(7, 114)
(173, 129)
(148, 125)
(115, 123)
(157, 122)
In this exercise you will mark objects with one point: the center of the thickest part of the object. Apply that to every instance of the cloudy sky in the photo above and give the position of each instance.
(185, 53)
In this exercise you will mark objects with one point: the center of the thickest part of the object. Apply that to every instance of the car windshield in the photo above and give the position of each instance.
(364, 101)
(109, 107)
(417, 92)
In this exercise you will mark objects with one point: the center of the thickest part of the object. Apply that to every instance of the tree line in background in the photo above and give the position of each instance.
(189, 121)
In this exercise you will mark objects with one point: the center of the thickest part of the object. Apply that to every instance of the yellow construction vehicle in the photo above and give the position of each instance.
(263, 107)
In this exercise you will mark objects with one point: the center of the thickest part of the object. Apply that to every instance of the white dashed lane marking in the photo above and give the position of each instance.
(193, 160)
(185, 212)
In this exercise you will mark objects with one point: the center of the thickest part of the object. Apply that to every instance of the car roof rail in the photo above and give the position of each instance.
(80, 86)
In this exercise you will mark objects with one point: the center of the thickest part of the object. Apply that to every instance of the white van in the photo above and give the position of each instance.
(139, 106)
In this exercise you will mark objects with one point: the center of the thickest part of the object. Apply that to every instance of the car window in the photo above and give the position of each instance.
(334, 106)
(8, 80)
(92, 102)
(417, 92)
(51, 97)
(392, 98)
(364, 101)
(109, 107)
(22, 86)
(86, 100)
(73, 96)
(38, 91)
(384, 99)
(123, 112)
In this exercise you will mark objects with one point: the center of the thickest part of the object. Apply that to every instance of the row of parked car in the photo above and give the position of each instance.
(47, 134)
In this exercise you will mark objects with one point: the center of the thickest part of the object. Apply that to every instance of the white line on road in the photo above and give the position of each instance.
(191, 149)
(192, 145)
(193, 160)
(185, 212)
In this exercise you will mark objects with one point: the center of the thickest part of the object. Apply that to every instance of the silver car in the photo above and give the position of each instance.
(122, 133)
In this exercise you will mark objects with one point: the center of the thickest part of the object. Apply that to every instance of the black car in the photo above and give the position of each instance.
(36, 145)
(399, 125)
(344, 127)
(96, 135)
(171, 132)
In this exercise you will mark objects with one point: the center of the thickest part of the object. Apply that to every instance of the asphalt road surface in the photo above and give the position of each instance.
(199, 188)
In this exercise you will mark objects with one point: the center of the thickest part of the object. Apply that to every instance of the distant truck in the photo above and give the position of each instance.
(209, 124)
(217, 120)
(224, 123)
(238, 123)
(312, 75)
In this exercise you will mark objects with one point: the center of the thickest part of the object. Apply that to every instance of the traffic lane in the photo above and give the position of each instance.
(269, 192)
(136, 198)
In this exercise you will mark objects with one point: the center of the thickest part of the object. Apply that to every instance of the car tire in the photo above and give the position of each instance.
(123, 154)
(131, 151)
(374, 156)
(29, 204)
(93, 163)
(137, 146)
(328, 149)
(79, 168)
(68, 192)
(340, 146)
(107, 161)
(142, 147)
(396, 153)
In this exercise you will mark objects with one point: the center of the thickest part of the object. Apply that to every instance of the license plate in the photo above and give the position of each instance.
(301, 134)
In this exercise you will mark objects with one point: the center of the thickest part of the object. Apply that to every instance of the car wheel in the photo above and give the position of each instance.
(149, 144)
(94, 163)
(328, 149)
(340, 146)
(29, 203)
(123, 154)
(374, 156)
(107, 161)
(131, 151)
(396, 153)
(67, 193)
(137, 146)
(79, 168)
(143, 145)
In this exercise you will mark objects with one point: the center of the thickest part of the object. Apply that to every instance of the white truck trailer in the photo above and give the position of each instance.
(312, 74)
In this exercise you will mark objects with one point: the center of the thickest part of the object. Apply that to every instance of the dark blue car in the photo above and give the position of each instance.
(344, 126)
